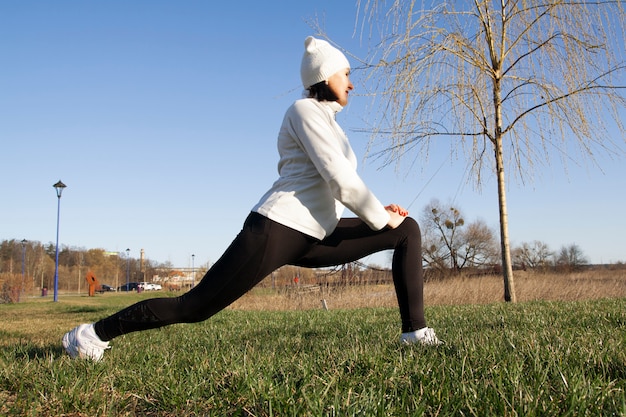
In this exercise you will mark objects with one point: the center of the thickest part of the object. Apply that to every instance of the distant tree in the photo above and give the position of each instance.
(571, 257)
(8, 250)
(451, 244)
(74, 263)
(532, 255)
(515, 82)
(440, 235)
(50, 250)
(479, 246)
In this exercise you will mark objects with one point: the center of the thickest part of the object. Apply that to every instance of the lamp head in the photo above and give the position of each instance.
(59, 186)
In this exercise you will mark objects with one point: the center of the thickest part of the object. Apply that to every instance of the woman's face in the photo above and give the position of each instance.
(340, 84)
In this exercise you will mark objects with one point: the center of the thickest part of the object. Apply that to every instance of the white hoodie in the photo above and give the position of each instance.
(318, 177)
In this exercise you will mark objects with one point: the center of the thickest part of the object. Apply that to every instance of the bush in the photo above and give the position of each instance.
(12, 287)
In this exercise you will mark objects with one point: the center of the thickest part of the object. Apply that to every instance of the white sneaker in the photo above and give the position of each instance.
(426, 336)
(83, 342)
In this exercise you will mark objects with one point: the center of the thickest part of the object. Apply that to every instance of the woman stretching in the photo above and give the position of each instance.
(297, 222)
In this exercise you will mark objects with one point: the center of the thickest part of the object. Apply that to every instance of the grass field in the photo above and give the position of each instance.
(533, 358)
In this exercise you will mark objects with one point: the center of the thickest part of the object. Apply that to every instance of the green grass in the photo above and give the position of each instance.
(527, 359)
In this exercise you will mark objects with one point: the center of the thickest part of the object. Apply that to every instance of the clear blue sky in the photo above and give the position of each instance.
(161, 119)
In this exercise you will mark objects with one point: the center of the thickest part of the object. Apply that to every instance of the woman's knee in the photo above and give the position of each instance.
(411, 227)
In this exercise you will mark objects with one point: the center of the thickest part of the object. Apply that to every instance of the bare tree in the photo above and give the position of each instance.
(520, 80)
(533, 255)
(441, 229)
(452, 244)
(571, 257)
(479, 247)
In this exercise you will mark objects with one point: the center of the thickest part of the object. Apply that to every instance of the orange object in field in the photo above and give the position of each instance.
(92, 282)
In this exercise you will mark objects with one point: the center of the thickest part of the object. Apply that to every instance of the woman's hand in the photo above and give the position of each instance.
(397, 215)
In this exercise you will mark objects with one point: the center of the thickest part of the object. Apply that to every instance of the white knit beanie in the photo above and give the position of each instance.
(320, 61)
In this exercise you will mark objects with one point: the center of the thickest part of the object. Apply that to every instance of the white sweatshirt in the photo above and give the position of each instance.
(317, 174)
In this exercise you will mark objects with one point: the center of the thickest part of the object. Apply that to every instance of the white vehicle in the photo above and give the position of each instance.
(149, 286)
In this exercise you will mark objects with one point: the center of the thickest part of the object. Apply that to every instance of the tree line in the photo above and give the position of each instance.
(28, 267)
(451, 245)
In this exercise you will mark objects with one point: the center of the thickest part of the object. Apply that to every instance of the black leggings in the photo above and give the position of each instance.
(263, 246)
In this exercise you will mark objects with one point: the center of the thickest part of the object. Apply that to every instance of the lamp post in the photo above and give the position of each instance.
(127, 269)
(59, 186)
(193, 271)
(24, 241)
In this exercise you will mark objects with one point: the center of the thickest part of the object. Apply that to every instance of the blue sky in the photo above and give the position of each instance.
(161, 119)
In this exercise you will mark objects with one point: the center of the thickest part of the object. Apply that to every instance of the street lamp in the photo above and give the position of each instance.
(127, 269)
(24, 241)
(59, 186)
(193, 271)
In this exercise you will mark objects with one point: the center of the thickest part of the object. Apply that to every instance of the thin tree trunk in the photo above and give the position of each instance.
(507, 268)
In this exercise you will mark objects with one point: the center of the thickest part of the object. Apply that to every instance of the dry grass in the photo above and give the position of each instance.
(530, 286)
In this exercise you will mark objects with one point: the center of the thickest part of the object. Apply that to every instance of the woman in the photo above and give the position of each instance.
(298, 222)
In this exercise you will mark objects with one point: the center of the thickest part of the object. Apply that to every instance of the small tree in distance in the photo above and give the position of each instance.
(533, 255)
(480, 248)
(571, 257)
(451, 244)
(442, 228)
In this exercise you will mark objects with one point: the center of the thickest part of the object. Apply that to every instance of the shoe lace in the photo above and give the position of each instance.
(430, 336)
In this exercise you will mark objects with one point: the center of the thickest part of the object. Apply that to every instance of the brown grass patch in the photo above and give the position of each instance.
(530, 286)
